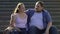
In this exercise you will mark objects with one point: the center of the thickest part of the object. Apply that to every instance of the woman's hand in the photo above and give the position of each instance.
(9, 28)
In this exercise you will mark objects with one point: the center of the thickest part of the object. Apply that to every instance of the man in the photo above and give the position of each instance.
(39, 20)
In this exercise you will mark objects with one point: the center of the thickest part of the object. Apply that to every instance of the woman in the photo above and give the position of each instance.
(19, 18)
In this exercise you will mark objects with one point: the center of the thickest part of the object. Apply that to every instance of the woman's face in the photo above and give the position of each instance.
(22, 8)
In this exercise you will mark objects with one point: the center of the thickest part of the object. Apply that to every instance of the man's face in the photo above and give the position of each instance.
(38, 7)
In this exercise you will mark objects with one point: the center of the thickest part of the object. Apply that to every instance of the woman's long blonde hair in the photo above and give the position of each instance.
(16, 9)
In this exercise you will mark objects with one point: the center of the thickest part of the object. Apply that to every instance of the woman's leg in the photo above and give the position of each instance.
(23, 31)
(14, 32)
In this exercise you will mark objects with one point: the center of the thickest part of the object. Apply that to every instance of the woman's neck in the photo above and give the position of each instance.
(21, 12)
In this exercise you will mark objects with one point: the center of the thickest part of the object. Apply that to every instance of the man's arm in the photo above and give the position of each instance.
(49, 20)
(48, 26)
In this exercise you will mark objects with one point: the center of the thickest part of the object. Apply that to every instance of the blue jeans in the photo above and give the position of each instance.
(35, 30)
(23, 31)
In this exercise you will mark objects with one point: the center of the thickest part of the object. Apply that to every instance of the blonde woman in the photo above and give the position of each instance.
(19, 18)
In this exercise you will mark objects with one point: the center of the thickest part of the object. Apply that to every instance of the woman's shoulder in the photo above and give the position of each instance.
(13, 14)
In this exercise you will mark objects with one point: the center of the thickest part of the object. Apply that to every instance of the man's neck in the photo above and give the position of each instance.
(38, 11)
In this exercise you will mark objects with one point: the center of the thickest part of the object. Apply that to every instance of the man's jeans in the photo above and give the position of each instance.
(35, 30)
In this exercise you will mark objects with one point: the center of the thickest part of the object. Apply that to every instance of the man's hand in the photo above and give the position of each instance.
(48, 28)
(47, 32)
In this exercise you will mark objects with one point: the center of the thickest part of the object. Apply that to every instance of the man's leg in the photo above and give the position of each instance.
(53, 30)
(32, 30)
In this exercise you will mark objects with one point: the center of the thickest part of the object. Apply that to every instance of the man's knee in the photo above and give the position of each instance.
(53, 30)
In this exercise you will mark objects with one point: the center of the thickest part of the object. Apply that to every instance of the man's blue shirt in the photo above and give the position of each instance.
(46, 16)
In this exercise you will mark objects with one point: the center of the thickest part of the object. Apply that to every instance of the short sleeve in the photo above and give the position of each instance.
(49, 19)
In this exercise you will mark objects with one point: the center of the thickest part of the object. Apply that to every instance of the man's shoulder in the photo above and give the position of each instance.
(45, 11)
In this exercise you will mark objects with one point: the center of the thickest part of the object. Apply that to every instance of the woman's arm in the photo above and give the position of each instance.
(12, 20)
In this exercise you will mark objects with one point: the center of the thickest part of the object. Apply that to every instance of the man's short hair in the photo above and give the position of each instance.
(41, 3)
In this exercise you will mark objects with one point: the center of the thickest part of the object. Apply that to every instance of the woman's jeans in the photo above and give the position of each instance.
(23, 31)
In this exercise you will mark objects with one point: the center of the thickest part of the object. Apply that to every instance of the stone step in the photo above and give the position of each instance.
(50, 0)
(29, 0)
(56, 19)
(55, 13)
(56, 23)
(58, 27)
(58, 32)
(5, 14)
(52, 6)
(4, 22)
(5, 17)
(7, 6)
(30, 7)
(17, 0)
(32, 3)
(28, 3)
